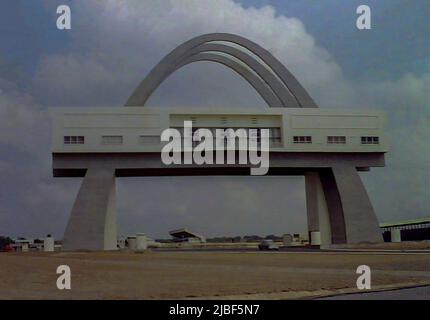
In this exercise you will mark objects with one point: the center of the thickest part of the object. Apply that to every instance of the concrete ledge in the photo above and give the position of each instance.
(150, 164)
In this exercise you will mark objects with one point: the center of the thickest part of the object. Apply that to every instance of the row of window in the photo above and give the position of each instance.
(112, 140)
(335, 140)
(369, 140)
(275, 139)
(255, 133)
(74, 139)
(302, 139)
(224, 120)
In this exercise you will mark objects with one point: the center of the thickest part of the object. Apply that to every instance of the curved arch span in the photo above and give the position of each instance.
(171, 62)
(256, 82)
(275, 85)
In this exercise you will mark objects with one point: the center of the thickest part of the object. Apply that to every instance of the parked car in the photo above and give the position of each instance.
(268, 245)
(7, 248)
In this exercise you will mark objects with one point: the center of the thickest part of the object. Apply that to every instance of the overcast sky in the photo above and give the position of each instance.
(114, 44)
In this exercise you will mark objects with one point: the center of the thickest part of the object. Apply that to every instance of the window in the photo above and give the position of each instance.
(150, 140)
(336, 139)
(235, 137)
(275, 137)
(224, 121)
(112, 140)
(253, 134)
(302, 139)
(195, 134)
(369, 140)
(74, 139)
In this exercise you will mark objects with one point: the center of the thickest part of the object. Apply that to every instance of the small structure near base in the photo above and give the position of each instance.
(141, 242)
(48, 244)
(131, 243)
(185, 235)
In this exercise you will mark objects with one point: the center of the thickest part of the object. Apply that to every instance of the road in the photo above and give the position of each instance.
(295, 249)
(419, 293)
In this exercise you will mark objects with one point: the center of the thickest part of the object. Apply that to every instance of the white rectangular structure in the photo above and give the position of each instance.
(328, 147)
(131, 129)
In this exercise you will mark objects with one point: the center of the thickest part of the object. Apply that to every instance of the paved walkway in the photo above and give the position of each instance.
(419, 293)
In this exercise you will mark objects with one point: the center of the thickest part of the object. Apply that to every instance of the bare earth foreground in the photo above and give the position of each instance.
(173, 275)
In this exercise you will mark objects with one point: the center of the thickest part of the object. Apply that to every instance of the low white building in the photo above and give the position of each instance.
(185, 235)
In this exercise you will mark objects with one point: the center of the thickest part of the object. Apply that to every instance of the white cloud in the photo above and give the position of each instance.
(400, 190)
(124, 40)
(23, 123)
(32, 203)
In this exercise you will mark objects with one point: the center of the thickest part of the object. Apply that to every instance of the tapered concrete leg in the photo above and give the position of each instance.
(92, 224)
(352, 219)
(339, 207)
(361, 224)
(334, 207)
(317, 211)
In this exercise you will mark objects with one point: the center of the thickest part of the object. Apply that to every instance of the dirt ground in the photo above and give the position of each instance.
(173, 275)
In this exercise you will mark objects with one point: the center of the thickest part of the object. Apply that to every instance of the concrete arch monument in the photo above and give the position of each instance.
(327, 147)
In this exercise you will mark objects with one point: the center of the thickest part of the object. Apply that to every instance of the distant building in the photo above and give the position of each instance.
(287, 240)
(410, 230)
(151, 243)
(185, 235)
(253, 238)
(274, 238)
(22, 244)
(25, 245)
(294, 240)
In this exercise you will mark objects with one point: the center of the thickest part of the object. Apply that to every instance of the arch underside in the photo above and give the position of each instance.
(269, 77)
